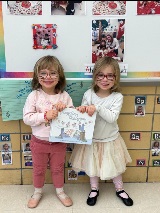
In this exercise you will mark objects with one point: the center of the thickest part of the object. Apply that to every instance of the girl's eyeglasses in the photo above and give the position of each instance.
(51, 74)
(101, 76)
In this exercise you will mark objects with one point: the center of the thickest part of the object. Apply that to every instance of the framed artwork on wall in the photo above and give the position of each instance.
(44, 36)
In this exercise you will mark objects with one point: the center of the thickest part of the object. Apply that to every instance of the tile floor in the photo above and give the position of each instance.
(146, 196)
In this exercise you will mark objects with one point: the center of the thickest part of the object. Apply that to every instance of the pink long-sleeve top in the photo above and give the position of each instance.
(37, 103)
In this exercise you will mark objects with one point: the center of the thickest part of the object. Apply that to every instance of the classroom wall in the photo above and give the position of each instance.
(74, 39)
(141, 54)
(18, 173)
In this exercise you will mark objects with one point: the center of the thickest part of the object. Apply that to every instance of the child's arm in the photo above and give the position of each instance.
(81, 109)
(84, 104)
(69, 101)
(30, 115)
(111, 113)
(90, 110)
(60, 106)
(51, 114)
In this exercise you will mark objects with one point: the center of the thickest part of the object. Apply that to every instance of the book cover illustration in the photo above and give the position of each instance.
(71, 126)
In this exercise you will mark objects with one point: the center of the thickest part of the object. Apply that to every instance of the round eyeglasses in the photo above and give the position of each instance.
(110, 76)
(45, 73)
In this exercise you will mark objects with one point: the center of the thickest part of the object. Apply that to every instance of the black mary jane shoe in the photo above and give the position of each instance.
(91, 201)
(127, 201)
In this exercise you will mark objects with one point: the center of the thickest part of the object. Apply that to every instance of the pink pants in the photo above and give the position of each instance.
(44, 152)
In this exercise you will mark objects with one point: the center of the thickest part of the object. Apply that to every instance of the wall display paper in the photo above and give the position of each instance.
(68, 8)
(156, 135)
(109, 8)
(44, 36)
(28, 160)
(24, 7)
(139, 110)
(136, 136)
(13, 94)
(158, 99)
(5, 147)
(156, 162)
(123, 69)
(145, 76)
(26, 147)
(108, 39)
(140, 102)
(6, 158)
(141, 162)
(155, 144)
(155, 149)
(74, 36)
(148, 7)
(5, 137)
(72, 175)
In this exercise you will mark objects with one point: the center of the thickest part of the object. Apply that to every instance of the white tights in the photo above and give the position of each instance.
(94, 181)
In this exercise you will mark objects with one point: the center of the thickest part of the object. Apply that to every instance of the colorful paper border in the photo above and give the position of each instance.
(2, 46)
(80, 75)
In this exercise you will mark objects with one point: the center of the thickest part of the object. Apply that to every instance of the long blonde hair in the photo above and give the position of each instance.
(100, 65)
(48, 62)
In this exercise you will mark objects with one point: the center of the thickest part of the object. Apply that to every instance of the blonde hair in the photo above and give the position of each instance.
(100, 65)
(48, 62)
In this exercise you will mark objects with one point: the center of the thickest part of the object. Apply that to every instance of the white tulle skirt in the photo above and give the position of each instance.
(103, 159)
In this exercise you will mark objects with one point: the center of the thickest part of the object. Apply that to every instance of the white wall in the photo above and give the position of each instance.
(142, 39)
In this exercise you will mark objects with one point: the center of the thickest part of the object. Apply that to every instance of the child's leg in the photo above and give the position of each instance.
(92, 198)
(39, 169)
(57, 160)
(119, 185)
(94, 181)
(37, 193)
(40, 161)
(120, 191)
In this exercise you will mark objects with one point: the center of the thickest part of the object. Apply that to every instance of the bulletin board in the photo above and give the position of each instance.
(74, 39)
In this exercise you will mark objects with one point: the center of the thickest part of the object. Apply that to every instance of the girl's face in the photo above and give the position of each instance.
(109, 38)
(105, 79)
(156, 144)
(6, 147)
(103, 43)
(48, 79)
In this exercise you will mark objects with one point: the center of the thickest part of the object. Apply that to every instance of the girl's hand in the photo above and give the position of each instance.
(60, 106)
(51, 114)
(81, 109)
(90, 110)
